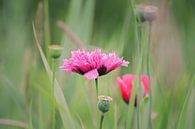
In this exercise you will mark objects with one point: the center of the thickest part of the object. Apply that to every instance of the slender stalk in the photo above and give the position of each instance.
(184, 105)
(137, 112)
(53, 96)
(46, 25)
(96, 86)
(148, 70)
(14, 123)
(101, 121)
(40, 110)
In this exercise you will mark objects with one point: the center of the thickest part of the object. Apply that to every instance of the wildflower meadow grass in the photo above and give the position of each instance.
(61, 64)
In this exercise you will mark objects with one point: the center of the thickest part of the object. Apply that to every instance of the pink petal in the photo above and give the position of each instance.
(125, 63)
(112, 62)
(82, 62)
(91, 74)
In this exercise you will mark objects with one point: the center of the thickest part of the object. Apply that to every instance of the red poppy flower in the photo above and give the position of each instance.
(126, 85)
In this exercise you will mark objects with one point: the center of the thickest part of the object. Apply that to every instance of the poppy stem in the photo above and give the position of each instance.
(53, 96)
(96, 85)
(148, 70)
(101, 121)
(137, 112)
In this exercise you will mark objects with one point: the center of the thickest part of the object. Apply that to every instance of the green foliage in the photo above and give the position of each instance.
(25, 74)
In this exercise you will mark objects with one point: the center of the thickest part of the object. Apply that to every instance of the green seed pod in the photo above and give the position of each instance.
(104, 103)
(55, 51)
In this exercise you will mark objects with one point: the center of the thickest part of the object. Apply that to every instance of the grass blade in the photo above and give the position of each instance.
(14, 123)
(181, 119)
(60, 99)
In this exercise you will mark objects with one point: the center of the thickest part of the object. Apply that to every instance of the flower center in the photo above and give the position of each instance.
(80, 71)
(102, 70)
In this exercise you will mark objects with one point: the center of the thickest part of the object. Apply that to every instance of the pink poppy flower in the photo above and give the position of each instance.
(126, 85)
(92, 64)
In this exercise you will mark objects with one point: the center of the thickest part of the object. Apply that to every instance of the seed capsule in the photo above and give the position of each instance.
(104, 103)
(146, 13)
(55, 51)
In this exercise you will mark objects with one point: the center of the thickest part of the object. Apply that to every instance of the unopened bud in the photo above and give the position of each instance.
(146, 98)
(146, 13)
(104, 103)
(55, 51)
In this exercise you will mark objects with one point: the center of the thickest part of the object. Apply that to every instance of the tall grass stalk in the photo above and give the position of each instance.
(131, 108)
(180, 121)
(47, 39)
(30, 116)
(40, 111)
(60, 99)
(138, 121)
(136, 88)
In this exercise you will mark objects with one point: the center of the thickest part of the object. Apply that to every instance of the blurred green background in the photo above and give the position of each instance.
(107, 24)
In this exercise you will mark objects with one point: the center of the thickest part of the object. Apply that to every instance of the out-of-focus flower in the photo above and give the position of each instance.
(92, 64)
(104, 103)
(126, 84)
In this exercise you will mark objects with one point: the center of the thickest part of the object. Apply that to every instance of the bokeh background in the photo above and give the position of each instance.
(106, 24)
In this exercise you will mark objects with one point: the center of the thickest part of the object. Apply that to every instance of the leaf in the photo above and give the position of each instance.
(181, 119)
(58, 93)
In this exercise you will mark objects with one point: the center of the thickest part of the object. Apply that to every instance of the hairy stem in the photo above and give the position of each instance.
(137, 112)
(53, 96)
(101, 121)
(148, 70)
(96, 85)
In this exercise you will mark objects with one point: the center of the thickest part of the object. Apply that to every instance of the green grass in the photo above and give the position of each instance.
(25, 66)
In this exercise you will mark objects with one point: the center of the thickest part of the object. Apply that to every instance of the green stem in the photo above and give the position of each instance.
(184, 105)
(46, 25)
(137, 112)
(101, 121)
(96, 85)
(148, 70)
(53, 96)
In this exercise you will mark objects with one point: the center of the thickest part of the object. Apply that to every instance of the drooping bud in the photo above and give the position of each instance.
(104, 103)
(146, 98)
(146, 13)
(55, 51)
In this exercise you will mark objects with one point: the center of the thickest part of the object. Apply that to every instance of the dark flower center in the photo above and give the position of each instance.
(80, 71)
(102, 70)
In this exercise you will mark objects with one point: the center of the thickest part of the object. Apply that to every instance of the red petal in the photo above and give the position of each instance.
(124, 90)
(145, 83)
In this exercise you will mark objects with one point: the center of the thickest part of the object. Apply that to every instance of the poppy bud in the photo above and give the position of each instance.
(146, 13)
(146, 98)
(55, 51)
(104, 103)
